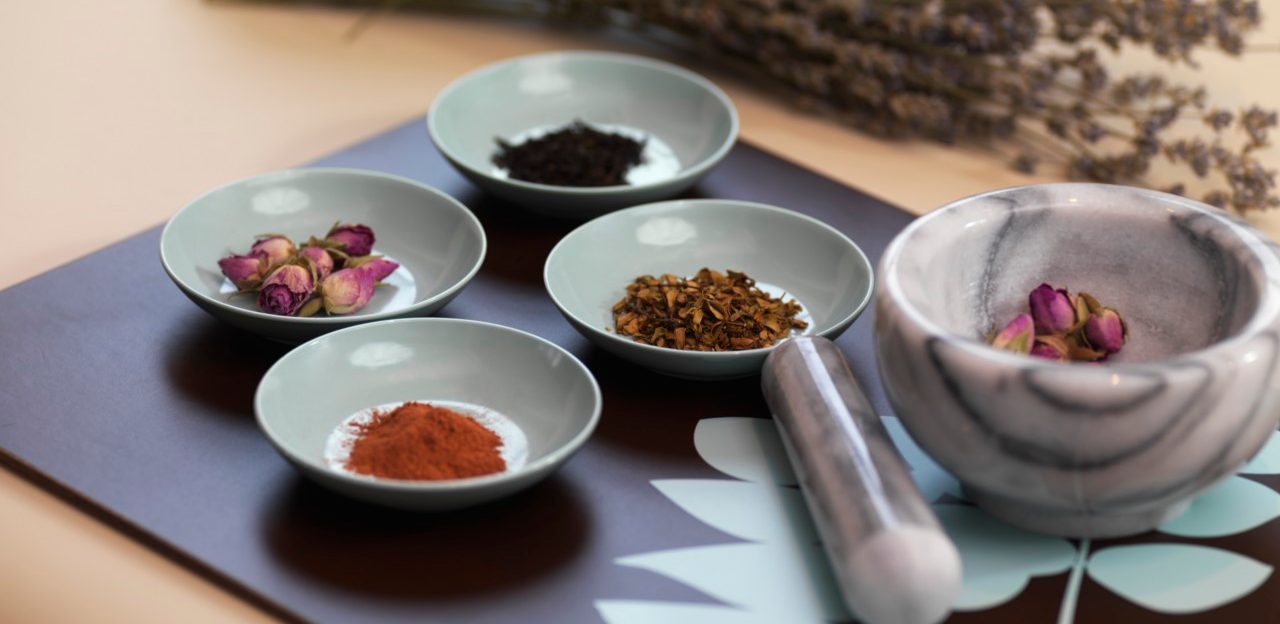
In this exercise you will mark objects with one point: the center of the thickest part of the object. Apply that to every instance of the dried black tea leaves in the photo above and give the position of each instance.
(711, 311)
(575, 155)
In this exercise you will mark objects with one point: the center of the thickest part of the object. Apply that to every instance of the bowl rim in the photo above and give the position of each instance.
(690, 172)
(1244, 232)
(551, 459)
(835, 328)
(445, 294)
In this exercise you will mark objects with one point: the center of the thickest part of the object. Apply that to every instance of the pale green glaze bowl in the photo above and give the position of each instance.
(543, 390)
(785, 251)
(691, 124)
(437, 241)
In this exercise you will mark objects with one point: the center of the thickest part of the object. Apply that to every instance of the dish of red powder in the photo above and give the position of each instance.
(421, 441)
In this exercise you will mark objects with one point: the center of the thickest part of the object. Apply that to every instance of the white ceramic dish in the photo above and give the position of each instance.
(437, 241)
(539, 387)
(785, 251)
(689, 122)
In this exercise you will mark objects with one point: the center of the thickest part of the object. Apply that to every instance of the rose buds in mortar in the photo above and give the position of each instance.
(1063, 328)
(1052, 310)
(1105, 330)
(1051, 348)
(1017, 336)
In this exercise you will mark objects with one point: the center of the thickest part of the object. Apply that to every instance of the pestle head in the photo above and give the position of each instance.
(903, 575)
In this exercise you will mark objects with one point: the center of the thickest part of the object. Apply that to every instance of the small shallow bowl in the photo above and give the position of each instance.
(1078, 449)
(437, 241)
(786, 252)
(690, 124)
(546, 392)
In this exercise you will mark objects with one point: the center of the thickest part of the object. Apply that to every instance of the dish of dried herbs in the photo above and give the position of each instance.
(711, 311)
(574, 155)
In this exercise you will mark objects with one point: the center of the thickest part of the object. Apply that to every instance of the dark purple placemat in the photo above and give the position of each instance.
(122, 397)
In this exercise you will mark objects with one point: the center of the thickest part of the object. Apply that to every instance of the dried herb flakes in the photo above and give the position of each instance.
(712, 311)
(575, 155)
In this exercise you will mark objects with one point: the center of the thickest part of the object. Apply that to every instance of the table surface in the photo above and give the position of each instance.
(128, 109)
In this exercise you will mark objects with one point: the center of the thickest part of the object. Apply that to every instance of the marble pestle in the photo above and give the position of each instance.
(892, 561)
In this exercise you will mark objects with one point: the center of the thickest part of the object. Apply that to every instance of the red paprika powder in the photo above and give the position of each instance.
(424, 442)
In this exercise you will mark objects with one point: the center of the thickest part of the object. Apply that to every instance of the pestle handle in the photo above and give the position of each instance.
(893, 562)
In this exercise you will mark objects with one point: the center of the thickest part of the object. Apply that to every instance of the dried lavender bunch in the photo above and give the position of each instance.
(1025, 76)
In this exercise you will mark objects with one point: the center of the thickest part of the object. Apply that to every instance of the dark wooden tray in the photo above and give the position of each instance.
(122, 397)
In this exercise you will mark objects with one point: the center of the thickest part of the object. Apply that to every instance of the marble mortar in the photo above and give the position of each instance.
(1076, 449)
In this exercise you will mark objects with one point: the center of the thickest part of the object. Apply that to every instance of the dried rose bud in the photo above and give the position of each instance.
(320, 260)
(376, 266)
(1081, 304)
(1052, 310)
(244, 271)
(1105, 331)
(1017, 336)
(309, 308)
(354, 239)
(286, 289)
(1087, 302)
(1082, 353)
(346, 291)
(1051, 348)
(275, 248)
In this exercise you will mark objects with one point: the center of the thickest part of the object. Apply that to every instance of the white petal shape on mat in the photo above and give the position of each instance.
(931, 478)
(1176, 578)
(747, 448)
(751, 511)
(1267, 461)
(787, 583)
(1233, 506)
(644, 612)
(999, 559)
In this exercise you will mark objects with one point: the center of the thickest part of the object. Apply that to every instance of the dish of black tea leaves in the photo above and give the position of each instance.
(574, 155)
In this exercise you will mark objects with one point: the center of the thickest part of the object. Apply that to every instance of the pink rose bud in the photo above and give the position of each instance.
(1051, 348)
(1052, 310)
(320, 260)
(244, 271)
(355, 239)
(346, 291)
(1105, 331)
(276, 249)
(1017, 336)
(379, 268)
(286, 289)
